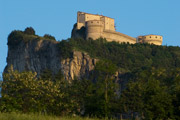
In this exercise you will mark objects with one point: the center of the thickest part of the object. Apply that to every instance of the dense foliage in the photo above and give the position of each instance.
(50, 94)
(152, 91)
(131, 57)
(27, 93)
(153, 94)
(17, 36)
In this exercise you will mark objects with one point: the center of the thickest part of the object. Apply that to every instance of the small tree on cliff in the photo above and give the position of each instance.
(29, 31)
(49, 37)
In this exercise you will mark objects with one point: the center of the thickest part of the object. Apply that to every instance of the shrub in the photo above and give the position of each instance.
(15, 37)
(29, 31)
(49, 36)
(65, 48)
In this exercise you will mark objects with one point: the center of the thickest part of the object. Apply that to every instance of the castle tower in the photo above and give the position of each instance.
(151, 39)
(94, 29)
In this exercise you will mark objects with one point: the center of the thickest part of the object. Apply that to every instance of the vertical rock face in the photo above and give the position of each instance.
(39, 55)
(78, 66)
(34, 55)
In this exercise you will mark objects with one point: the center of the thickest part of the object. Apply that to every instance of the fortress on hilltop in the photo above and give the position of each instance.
(96, 26)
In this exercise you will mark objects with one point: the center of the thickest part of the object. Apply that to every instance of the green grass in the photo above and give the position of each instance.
(19, 116)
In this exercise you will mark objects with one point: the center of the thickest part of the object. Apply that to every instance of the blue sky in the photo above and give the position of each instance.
(56, 17)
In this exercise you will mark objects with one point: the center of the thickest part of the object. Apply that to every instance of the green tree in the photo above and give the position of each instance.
(175, 91)
(27, 93)
(131, 99)
(101, 95)
(14, 38)
(77, 92)
(157, 102)
(18, 91)
(65, 49)
(150, 94)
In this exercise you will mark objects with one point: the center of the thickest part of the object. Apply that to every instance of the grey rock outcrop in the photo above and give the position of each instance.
(38, 55)
(79, 66)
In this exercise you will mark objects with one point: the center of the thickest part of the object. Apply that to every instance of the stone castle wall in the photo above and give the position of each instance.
(95, 29)
(118, 37)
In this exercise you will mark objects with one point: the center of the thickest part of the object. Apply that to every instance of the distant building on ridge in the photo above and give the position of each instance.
(96, 26)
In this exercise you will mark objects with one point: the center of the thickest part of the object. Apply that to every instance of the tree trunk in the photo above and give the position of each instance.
(121, 117)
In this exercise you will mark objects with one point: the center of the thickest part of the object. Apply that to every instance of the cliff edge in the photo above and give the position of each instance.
(38, 54)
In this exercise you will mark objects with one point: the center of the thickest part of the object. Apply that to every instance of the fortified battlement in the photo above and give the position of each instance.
(151, 39)
(97, 26)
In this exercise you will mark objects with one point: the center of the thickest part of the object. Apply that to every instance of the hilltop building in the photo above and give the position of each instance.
(151, 39)
(96, 26)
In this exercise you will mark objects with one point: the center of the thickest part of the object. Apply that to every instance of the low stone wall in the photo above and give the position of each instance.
(118, 37)
(155, 42)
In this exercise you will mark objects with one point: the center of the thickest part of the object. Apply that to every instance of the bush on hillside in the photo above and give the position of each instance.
(29, 31)
(65, 48)
(49, 36)
(14, 38)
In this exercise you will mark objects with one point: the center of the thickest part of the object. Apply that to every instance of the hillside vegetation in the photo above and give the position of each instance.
(17, 36)
(128, 56)
(152, 91)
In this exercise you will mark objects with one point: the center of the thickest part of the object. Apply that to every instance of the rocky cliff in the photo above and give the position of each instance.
(38, 55)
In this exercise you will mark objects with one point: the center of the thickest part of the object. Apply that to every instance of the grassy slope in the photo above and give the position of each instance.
(18, 116)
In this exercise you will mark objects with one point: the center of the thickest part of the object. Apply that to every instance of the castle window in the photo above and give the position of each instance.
(156, 36)
(91, 21)
(150, 37)
(97, 22)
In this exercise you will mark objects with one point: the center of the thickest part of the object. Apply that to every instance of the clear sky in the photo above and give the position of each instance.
(56, 17)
